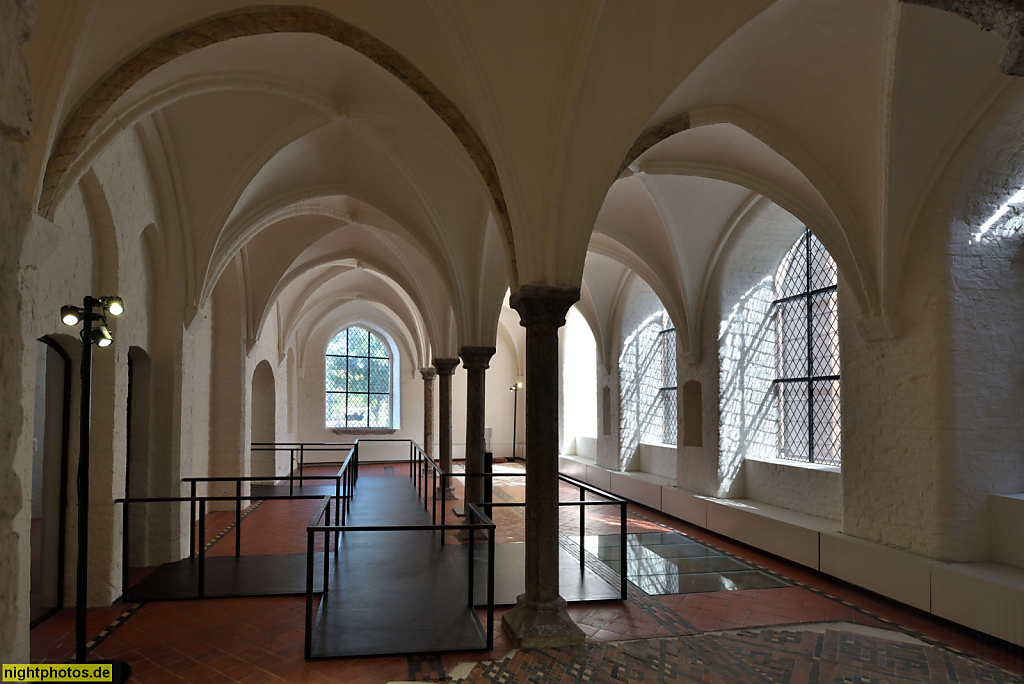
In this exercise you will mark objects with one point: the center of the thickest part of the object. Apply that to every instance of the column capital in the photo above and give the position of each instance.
(428, 373)
(446, 366)
(476, 357)
(543, 304)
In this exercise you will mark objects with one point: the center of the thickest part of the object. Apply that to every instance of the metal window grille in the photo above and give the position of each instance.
(807, 363)
(667, 392)
(358, 381)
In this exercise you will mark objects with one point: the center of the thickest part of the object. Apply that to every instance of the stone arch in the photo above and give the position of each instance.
(105, 262)
(261, 21)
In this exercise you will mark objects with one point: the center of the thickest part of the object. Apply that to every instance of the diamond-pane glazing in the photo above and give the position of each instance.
(336, 373)
(339, 344)
(335, 410)
(358, 341)
(647, 375)
(669, 408)
(825, 334)
(826, 422)
(358, 408)
(358, 380)
(378, 410)
(808, 359)
(379, 381)
(791, 317)
(357, 374)
(377, 348)
(791, 278)
(667, 340)
(823, 269)
(793, 421)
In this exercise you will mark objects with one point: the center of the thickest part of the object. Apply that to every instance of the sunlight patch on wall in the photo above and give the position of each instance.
(999, 225)
(747, 364)
(579, 379)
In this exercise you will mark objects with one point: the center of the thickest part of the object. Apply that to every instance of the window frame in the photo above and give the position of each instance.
(809, 294)
(368, 393)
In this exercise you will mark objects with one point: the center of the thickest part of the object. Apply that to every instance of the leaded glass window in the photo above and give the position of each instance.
(647, 381)
(358, 378)
(807, 362)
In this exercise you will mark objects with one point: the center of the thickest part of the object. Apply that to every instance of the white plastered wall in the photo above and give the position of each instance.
(637, 305)
(94, 247)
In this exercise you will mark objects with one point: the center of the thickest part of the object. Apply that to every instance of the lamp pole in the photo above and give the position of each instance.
(101, 337)
(515, 413)
(85, 418)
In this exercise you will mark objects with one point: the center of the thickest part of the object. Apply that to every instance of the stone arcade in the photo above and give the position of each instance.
(455, 179)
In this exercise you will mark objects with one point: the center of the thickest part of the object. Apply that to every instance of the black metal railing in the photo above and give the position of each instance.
(583, 504)
(483, 524)
(297, 451)
(344, 483)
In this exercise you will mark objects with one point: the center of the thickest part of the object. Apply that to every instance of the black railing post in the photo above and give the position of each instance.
(444, 509)
(583, 524)
(238, 518)
(291, 471)
(302, 461)
(202, 548)
(309, 593)
(125, 544)
(470, 511)
(340, 503)
(623, 553)
(192, 525)
(327, 541)
(490, 589)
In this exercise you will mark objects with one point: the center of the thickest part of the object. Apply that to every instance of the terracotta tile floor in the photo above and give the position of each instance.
(261, 639)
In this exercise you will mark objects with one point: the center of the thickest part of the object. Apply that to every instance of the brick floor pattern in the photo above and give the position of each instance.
(672, 638)
(782, 657)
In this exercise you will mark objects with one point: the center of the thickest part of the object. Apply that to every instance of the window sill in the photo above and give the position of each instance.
(364, 431)
(797, 464)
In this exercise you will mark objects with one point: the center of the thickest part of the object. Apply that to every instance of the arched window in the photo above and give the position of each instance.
(647, 384)
(807, 368)
(358, 378)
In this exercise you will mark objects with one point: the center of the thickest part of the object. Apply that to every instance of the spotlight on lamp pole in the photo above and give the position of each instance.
(93, 310)
(514, 389)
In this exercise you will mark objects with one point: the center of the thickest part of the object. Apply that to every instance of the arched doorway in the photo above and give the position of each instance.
(50, 440)
(138, 468)
(264, 419)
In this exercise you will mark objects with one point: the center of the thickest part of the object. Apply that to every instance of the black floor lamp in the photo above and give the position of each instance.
(94, 309)
(514, 389)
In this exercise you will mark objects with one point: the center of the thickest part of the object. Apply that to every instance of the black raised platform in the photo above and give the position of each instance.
(227, 576)
(394, 592)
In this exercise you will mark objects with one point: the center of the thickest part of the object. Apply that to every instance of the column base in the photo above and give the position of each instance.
(537, 625)
(448, 493)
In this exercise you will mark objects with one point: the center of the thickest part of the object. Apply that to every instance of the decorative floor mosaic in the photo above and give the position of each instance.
(777, 657)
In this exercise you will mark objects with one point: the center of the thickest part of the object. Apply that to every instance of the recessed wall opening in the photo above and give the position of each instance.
(693, 409)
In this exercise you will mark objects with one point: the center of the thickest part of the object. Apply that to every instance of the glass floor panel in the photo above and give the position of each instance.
(669, 563)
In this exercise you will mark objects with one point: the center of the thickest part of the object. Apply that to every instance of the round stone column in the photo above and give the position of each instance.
(445, 368)
(428, 410)
(539, 617)
(475, 360)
